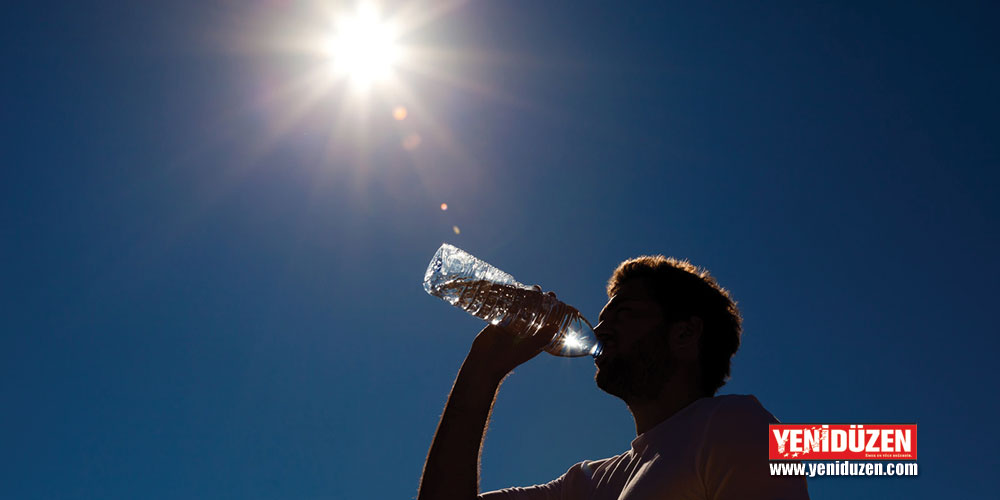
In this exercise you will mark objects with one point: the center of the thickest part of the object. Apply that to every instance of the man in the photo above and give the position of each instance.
(668, 332)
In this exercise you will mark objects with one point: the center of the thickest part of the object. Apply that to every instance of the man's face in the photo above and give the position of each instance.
(636, 359)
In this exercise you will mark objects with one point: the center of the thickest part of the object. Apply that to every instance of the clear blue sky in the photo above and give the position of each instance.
(211, 284)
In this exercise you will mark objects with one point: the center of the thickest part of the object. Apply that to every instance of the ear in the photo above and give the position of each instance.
(684, 337)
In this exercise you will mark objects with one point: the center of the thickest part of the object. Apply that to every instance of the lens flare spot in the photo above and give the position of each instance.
(456, 229)
(412, 142)
(399, 113)
(444, 206)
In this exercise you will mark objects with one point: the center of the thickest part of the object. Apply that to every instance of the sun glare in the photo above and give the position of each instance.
(572, 342)
(363, 46)
(345, 67)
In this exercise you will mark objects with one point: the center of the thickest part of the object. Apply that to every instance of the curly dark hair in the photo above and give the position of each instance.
(684, 290)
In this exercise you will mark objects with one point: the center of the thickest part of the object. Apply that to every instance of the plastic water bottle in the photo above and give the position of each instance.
(486, 292)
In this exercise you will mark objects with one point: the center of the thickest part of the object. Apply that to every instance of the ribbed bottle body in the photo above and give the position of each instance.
(495, 296)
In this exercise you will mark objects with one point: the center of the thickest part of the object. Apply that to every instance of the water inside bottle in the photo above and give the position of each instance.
(521, 309)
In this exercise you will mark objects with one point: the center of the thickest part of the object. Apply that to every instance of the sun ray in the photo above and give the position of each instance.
(416, 15)
(343, 60)
(294, 100)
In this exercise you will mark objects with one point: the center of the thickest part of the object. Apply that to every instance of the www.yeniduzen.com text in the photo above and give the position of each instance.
(814, 469)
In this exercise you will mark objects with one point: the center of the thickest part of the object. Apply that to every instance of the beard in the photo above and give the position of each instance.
(640, 373)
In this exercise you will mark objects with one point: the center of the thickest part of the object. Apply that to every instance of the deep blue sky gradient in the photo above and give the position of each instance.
(203, 298)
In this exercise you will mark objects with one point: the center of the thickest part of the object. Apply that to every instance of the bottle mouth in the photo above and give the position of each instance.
(596, 351)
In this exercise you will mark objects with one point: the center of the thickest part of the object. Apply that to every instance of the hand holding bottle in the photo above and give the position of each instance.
(499, 349)
(496, 351)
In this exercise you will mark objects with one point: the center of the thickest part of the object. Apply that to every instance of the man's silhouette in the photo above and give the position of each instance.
(669, 332)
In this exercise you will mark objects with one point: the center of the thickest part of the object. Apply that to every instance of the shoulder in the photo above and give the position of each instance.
(734, 460)
(737, 409)
(737, 425)
(590, 471)
(578, 482)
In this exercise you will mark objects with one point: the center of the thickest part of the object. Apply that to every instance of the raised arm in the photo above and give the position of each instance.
(451, 471)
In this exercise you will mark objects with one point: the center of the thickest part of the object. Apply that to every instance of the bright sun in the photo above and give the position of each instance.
(348, 64)
(363, 46)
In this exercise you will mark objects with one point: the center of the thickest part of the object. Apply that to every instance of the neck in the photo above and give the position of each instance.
(675, 396)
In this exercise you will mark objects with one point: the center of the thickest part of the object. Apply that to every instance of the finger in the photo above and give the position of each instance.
(543, 337)
(498, 331)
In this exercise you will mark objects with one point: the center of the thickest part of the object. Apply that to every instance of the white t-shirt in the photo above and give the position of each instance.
(714, 448)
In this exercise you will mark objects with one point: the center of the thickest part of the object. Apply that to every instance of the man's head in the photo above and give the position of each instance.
(665, 316)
